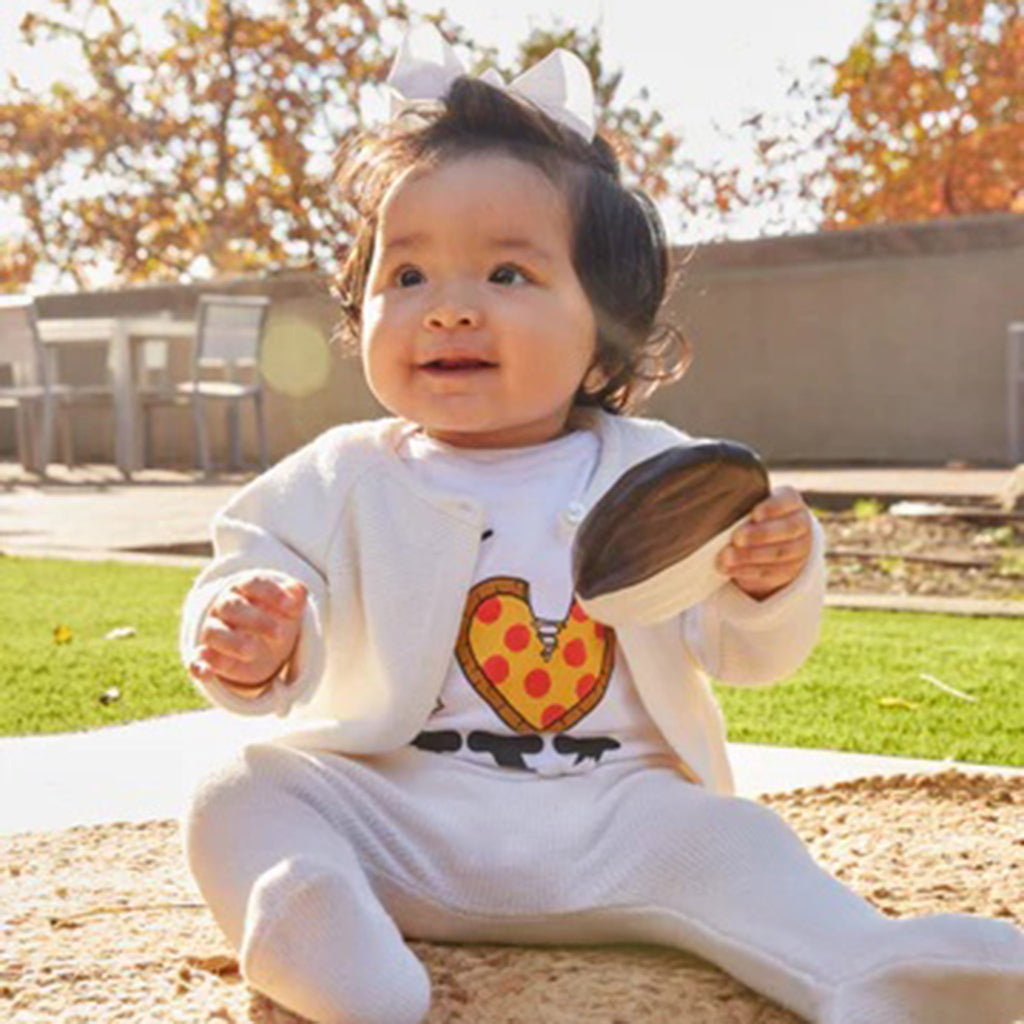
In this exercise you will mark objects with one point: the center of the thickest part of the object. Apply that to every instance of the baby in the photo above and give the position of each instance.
(468, 755)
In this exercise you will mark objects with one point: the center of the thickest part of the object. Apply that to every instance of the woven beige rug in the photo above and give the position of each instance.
(102, 924)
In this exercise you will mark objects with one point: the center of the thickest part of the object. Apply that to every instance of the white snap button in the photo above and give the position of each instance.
(574, 513)
(568, 521)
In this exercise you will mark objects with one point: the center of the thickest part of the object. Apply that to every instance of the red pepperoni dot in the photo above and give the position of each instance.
(496, 668)
(489, 610)
(575, 653)
(578, 613)
(552, 713)
(585, 685)
(537, 683)
(517, 637)
(599, 630)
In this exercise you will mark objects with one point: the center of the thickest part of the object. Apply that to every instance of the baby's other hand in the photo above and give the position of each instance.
(250, 631)
(768, 552)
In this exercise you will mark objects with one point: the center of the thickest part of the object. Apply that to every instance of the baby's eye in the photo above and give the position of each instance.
(507, 273)
(408, 276)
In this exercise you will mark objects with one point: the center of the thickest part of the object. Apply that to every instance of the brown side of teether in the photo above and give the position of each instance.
(662, 510)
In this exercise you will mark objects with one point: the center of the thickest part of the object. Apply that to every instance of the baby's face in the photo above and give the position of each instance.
(475, 324)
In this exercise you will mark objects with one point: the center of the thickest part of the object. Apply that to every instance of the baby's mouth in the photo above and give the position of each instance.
(461, 364)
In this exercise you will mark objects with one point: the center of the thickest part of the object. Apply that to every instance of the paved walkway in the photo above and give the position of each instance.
(145, 770)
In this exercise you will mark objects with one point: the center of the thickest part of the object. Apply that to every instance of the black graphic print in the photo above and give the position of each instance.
(512, 751)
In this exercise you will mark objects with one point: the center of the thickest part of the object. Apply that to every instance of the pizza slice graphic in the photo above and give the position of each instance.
(538, 675)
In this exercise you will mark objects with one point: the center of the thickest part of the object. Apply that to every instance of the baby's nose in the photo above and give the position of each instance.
(451, 312)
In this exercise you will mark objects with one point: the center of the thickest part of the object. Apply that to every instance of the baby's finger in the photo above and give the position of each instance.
(227, 640)
(271, 594)
(765, 579)
(200, 669)
(782, 501)
(237, 611)
(792, 526)
(765, 554)
(219, 667)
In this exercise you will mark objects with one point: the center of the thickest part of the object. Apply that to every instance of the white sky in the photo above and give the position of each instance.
(701, 61)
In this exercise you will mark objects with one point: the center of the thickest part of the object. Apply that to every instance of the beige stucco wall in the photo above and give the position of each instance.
(877, 345)
(886, 345)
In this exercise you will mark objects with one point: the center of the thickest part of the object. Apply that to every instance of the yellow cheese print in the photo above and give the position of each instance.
(538, 675)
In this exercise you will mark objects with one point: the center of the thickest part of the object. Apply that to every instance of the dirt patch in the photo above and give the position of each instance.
(102, 923)
(940, 555)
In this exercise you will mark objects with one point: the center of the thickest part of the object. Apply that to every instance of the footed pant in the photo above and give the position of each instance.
(318, 866)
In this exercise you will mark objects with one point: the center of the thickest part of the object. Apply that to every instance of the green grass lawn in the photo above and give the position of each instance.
(56, 687)
(860, 690)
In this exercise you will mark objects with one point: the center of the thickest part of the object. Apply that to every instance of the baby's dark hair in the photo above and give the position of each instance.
(619, 248)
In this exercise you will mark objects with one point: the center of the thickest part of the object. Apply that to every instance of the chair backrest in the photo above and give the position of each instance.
(1015, 392)
(19, 338)
(230, 328)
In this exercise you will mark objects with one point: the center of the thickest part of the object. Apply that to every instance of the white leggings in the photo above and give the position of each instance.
(316, 866)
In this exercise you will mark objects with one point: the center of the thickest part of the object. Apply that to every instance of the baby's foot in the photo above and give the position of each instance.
(318, 938)
(943, 969)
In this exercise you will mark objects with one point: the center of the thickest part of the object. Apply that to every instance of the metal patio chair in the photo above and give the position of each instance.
(35, 386)
(30, 392)
(229, 335)
(73, 396)
(1015, 392)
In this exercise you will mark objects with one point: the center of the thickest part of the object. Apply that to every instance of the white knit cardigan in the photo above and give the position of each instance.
(388, 564)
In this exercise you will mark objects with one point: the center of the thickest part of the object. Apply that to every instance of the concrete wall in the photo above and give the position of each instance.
(875, 345)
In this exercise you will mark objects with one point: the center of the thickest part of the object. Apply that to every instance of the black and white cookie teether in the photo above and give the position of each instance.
(646, 551)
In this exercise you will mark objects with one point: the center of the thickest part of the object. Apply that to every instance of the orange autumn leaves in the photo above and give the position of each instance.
(935, 96)
(201, 153)
(923, 118)
(208, 152)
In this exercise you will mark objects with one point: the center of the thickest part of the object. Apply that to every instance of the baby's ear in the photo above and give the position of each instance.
(595, 378)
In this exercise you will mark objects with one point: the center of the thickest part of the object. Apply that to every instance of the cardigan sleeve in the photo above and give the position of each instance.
(276, 525)
(740, 640)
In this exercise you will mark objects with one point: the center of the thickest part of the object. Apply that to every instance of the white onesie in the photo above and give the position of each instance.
(534, 684)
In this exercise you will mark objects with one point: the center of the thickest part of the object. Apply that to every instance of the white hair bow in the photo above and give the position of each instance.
(427, 65)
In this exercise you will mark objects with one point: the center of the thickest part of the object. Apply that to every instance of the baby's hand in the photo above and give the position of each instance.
(249, 632)
(768, 552)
